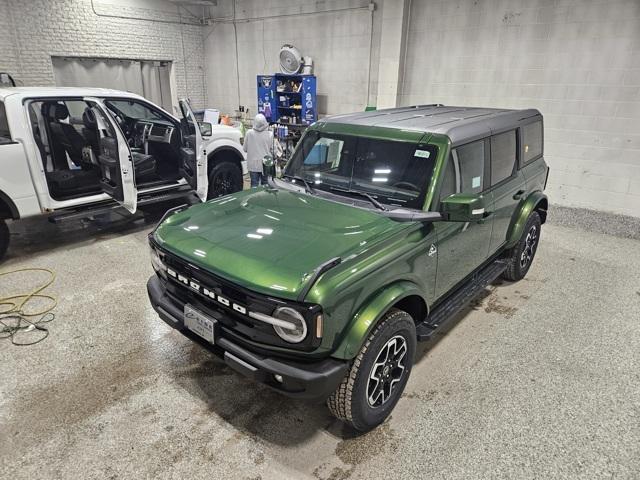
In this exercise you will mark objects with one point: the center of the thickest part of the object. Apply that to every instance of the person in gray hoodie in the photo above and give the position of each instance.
(258, 142)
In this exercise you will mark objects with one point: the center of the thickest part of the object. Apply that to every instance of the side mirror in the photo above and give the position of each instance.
(404, 215)
(206, 129)
(463, 207)
(268, 166)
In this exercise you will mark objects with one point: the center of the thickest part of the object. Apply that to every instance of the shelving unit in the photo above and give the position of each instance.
(288, 99)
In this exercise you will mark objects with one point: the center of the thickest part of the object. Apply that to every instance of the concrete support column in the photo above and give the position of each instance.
(395, 18)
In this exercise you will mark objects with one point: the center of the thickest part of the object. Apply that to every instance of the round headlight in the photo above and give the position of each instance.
(298, 329)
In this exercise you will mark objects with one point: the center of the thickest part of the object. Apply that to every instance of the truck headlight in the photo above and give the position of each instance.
(158, 265)
(299, 327)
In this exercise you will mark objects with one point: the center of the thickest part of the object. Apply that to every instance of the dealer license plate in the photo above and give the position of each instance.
(199, 323)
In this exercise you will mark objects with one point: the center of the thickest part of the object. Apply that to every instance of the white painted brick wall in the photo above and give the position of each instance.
(8, 53)
(35, 30)
(577, 61)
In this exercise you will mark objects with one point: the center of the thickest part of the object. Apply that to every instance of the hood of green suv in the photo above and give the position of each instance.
(271, 241)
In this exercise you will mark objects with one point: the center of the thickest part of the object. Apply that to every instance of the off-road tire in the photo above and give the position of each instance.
(349, 402)
(516, 269)
(4, 238)
(224, 178)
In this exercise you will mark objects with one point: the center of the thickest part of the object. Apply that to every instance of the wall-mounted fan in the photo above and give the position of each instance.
(292, 61)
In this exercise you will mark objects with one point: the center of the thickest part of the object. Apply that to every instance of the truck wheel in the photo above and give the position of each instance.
(378, 375)
(4, 238)
(521, 256)
(224, 178)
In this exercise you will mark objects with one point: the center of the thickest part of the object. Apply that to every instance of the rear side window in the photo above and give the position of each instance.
(5, 135)
(532, 141)
(503, 156)
(470, 165)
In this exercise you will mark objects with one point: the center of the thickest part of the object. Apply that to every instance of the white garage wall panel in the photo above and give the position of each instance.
(40, 29)
(149, 79)
(80, 72)
(577, 61)
(338, 42)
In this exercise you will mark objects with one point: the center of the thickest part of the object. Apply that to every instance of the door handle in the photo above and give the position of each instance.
(518, 194)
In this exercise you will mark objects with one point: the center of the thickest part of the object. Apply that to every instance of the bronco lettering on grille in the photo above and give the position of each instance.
(205, 291)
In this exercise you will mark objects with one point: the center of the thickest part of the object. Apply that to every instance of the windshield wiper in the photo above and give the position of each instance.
(376, 203)
(307, 187)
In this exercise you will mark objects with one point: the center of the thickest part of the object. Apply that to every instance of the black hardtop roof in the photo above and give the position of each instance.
(458, 123)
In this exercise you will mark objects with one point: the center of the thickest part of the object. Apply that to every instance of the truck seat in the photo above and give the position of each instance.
(65, 133)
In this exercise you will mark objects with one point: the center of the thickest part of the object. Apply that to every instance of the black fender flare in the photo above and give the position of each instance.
(10, 207)
(533, 202)
(229, 153)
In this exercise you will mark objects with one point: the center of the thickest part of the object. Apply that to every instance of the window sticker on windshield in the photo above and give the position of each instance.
(422, 153)
(475, 182)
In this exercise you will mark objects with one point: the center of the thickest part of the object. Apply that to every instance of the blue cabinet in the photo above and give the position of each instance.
(288, 99)
(266, 97)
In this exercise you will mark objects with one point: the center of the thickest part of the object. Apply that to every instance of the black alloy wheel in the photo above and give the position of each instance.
(225, 178)
(386, 371)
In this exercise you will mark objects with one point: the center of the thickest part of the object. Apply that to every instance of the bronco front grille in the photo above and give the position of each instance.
(230, 304)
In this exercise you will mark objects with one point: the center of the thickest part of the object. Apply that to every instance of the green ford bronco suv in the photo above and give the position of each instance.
(383, 226)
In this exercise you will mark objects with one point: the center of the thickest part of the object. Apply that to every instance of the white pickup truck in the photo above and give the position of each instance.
(75, 152)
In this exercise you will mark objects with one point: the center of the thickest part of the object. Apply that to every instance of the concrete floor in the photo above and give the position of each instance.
(540, 379)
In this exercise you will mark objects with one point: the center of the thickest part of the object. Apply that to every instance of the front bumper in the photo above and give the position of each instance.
(311, 381)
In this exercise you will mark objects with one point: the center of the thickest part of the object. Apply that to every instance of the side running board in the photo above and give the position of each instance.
(109, 206)
(460, 299)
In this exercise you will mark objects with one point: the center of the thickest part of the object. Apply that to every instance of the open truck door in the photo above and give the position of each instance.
(193, 157)
(114, 160)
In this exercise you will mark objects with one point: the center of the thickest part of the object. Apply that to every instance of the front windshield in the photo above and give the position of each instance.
(393, 172)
